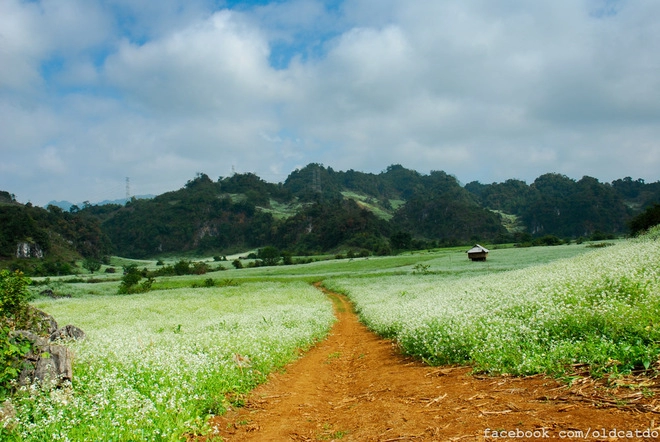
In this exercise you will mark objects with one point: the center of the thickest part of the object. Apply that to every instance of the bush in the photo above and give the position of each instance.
(270, 256)
(182, 267)
(130, 282)
(645, 220)
(13, 293)
(14, 298)
(199, 268)
(12, 351)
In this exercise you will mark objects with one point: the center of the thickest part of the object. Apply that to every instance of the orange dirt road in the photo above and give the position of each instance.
(355, 386)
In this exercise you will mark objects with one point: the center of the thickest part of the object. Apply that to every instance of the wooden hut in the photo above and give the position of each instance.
(477, 253)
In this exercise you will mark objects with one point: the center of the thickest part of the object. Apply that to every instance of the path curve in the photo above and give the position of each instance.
(355, 386)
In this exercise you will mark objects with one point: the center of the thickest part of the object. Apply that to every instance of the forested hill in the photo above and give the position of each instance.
(47, 241)
(317, 209)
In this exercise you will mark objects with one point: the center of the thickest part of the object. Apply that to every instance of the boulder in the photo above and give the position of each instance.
(48, 362)
(43, 324)
(55, 364)
(67, 333)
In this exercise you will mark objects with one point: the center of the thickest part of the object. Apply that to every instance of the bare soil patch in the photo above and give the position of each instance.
(355, 386)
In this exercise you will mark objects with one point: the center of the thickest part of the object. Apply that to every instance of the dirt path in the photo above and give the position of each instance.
(357, 387)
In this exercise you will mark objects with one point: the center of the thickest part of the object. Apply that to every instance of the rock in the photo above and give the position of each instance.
(48, 362)
(67, 332)
(51, 363)
(44, 324)
(36, 340)
(26, 250)
(55, 364)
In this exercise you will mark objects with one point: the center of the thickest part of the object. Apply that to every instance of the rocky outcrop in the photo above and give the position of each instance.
(48, 361)
(26, 249)
(67, 332)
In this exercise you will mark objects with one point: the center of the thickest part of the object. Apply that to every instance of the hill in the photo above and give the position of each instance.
(46, 242)
(320, 210)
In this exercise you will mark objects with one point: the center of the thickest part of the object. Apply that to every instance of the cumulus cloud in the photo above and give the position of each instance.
(483, 90)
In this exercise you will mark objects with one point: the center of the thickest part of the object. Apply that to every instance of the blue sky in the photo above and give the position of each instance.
(94, 91)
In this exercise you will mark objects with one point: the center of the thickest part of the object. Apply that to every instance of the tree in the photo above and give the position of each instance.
(401, 240)
(130, 283)
(270, 255)
(645, 220)
(92, 264)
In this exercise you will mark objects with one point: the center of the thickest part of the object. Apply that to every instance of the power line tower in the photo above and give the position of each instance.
(128, 189)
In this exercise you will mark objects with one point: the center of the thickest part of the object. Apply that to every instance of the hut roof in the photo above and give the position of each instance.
(478, 249)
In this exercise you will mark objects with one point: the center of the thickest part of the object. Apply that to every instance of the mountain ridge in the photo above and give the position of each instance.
(320, 210)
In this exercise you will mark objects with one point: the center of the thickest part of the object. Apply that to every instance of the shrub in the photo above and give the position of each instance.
(199, 268)
(130, 282)
(14, 298)
(12, 351)
(182, 267)
(13, 293)
(645, 220)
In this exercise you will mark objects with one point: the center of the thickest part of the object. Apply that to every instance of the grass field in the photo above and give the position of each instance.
(155, 365)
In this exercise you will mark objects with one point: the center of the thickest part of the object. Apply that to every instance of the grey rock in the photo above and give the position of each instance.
(55, 364)
(44, 323)
(26, 250)
(67, 332)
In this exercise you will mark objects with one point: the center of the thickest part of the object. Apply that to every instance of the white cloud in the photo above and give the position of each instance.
(483, 90)
(217, 65)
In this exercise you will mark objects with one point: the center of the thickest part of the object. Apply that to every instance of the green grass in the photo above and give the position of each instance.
(369, 203)
(281, 210)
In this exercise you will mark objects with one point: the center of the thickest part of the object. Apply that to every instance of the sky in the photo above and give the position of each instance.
(93, 92)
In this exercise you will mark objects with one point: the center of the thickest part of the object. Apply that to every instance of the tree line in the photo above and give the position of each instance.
(319, 210)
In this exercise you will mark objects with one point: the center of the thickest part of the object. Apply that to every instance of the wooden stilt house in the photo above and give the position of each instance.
(477, 253)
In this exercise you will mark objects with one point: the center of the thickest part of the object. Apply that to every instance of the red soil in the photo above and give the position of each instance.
(355, 386)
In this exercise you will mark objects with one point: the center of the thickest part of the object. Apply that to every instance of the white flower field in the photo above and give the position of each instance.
(155, 366)
(600, 308)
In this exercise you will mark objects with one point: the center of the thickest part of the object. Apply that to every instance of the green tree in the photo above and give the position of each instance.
(130, 282)
(270, 255)
(92, 264)
(645, 220)
(182, 267)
